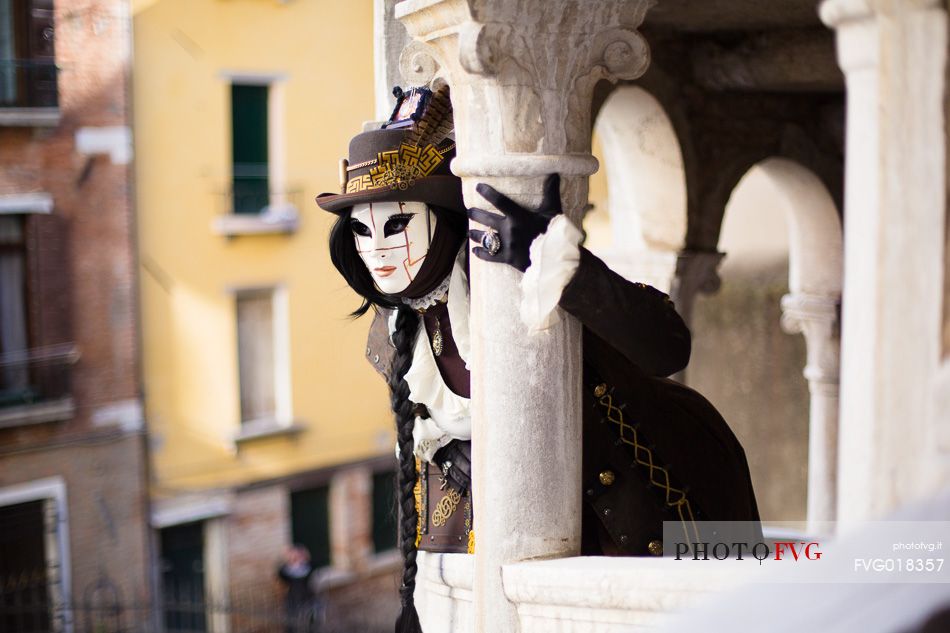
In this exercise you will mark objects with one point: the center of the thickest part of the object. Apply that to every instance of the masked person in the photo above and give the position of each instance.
(653, 449)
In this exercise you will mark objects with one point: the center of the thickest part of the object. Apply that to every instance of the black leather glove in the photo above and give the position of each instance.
(455, 460)
(518, 227)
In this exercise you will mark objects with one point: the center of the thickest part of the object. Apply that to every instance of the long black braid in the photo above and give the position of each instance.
(347, 260)
(407, 325)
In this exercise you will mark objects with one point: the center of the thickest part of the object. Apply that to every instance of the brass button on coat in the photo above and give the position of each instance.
(600, 390)
(607, 477)
(655, 547)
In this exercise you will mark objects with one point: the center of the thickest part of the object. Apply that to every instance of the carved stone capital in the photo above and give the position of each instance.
(417, 65)
(818, 319)
(525, 72)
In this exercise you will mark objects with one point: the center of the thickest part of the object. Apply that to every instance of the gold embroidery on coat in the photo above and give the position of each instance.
(659, 477)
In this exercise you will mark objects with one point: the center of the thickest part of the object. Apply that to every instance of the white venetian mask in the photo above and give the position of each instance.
(393, 239)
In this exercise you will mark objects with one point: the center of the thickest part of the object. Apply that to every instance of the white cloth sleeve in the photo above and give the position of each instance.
(428, 438)
(555, 255)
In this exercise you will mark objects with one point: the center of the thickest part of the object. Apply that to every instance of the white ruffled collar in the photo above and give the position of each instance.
(431, 298)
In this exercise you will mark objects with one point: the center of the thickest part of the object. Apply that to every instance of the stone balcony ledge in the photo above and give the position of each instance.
(574, 595)
(29, 117)
(273, 220)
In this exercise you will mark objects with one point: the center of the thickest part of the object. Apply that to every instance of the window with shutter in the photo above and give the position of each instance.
(27, 62)
(249, 139)
(15, 388)
(255, 330)
(36, 348)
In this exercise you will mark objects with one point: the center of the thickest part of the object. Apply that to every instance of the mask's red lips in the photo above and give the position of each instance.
(384, 271)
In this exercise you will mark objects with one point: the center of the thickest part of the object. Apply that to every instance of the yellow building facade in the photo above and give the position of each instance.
(314, 60)
(257, 386)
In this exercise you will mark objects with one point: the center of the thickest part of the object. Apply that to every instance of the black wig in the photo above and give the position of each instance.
(348, 262)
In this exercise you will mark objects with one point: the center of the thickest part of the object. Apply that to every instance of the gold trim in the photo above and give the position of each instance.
(417, 493)
(675, 498)
(366, 163)
(446, 507)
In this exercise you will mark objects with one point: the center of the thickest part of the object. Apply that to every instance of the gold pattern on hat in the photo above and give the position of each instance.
(400, 168)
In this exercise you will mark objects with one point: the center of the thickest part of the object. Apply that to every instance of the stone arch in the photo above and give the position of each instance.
(815, 239)
(643, 227)
(811, 306)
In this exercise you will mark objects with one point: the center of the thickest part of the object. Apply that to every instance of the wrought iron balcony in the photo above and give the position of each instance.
(251, 193)
(36, 385)
(252, 206)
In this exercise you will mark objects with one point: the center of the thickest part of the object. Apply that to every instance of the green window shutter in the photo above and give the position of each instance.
(384, 511)
(249, 148)
(310, 523)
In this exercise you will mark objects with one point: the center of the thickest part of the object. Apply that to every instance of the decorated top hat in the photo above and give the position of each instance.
(405, 161)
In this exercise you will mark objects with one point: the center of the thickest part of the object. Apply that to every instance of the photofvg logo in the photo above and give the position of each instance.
(740, 550)
(738, 540)
(869, 552)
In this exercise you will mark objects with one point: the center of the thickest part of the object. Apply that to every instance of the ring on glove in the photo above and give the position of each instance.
(491, 241)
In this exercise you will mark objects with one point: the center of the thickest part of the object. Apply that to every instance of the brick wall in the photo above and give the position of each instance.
(258, 533)
(360, 588)
(105, 489)
(83, 291)
(93, 248)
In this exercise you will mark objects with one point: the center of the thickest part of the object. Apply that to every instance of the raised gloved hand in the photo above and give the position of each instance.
(517, 228)
(455, 460)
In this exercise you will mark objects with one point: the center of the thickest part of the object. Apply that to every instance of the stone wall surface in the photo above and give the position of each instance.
(752, 372)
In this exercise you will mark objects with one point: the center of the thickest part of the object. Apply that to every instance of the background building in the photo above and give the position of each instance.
(73, 491)
(267, 424)
(218, 314)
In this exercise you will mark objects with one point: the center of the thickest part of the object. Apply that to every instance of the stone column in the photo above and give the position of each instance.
(522, 75)
(816, 317)
(389, 40)
(893, 54)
